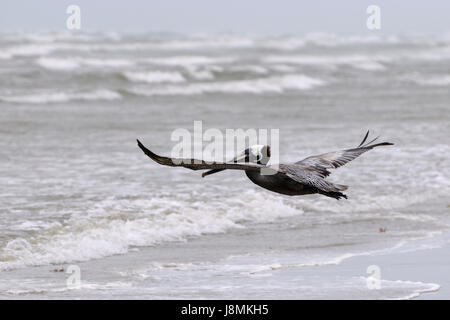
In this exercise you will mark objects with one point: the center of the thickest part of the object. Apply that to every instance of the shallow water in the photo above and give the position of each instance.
(75, 189)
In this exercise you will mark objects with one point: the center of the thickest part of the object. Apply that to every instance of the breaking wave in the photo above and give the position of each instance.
(154, 76)
(77, 62)
(52, 97)
(254, 86)
(97, 234)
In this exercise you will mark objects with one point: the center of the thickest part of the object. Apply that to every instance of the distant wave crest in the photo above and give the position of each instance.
(52, 97)
(154, 76)
(67, 64)
(255, 86)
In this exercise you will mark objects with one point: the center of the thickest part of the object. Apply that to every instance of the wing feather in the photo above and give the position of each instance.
(332, 160)
(195, 164)
(309, 177)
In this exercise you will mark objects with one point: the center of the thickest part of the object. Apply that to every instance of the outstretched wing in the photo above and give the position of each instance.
(195, 164)
(308, 176)
(332, 160)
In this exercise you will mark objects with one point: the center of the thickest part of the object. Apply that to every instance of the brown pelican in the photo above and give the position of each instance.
(303, 177)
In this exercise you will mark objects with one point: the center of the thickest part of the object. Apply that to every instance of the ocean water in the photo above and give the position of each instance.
(76, 190)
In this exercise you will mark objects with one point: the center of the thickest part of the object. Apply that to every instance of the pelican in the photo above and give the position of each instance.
(303, 177)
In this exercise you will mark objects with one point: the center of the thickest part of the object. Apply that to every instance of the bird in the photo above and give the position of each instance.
(307, 176)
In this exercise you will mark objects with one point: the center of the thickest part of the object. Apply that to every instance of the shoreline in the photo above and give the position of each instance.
(212, 267)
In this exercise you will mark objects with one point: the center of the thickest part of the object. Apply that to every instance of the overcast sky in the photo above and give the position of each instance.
(209, 16)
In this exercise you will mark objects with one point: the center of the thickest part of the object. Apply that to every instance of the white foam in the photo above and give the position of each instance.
(53, 97)
(282, 68)
(332, 40)
(112, 63)
(26, 50)
(34, 225)
(104, 231)
(68, 64)
(418, 288)
(154, 76)
(50, 37)
(207, 42)
(365, 62)
(58, 63)
(249, 68)
(255, 86)
(188, 60)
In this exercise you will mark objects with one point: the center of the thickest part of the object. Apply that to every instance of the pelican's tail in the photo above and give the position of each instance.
(334, 191)
(341, 187)
(333, 194)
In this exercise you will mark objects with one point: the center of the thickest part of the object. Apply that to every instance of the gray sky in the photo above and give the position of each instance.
(209, 16)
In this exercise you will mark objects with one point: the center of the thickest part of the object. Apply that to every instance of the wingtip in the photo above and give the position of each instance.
(139, 143)
(381, 144)
(365, 138)
(142, 147)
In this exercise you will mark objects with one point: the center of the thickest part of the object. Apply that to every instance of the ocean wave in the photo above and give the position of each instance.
(234, 42)
(50, 37)
(257, 69)
(203, 72)
(254, 86)
(53, 97)
(199, 67)
(154, 76)
(333, 40)
(103, 231)
(84, 285)
(58, 63)
(368, 65)
(432, 54)
(36, 44)
(365, 62)
(68, 64)
(428, 80)
(26, 50)
(188, 60)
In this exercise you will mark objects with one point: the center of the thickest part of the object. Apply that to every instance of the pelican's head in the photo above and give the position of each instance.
(257, 153)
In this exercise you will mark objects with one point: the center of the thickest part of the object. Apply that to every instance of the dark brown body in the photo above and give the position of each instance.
(280, 183)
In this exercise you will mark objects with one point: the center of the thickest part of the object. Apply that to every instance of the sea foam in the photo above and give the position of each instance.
(53, 97)
(154, 76)
(97, 233)
(254, 86)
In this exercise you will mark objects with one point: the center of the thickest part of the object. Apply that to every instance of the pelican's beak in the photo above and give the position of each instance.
(207, 173)
(239, 158)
